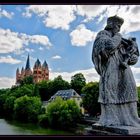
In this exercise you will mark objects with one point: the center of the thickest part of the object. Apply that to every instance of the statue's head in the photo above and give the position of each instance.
(114, 23)
(115, 20)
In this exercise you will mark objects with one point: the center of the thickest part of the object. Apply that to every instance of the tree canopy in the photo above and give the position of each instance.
(78, 81)
(27, 108)
(90, 100)
(63, 114)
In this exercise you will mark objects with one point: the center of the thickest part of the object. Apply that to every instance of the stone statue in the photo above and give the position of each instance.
(112, 56)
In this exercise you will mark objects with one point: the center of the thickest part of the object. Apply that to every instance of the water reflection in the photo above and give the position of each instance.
(15, 128)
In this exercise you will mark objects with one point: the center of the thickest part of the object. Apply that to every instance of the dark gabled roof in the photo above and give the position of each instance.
(45, 65)
(27, 63)
(66, 94)
(83, 95)
(37, 63)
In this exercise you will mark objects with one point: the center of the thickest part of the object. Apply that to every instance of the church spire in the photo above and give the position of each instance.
(45, 65)
(17, 71)
(27, 63)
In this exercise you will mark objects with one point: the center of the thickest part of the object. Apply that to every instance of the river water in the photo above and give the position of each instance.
(15, 128)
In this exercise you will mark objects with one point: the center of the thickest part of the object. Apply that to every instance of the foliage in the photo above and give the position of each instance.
(8, 107)
(27, 80)
(90, 100)
(26, 89)
(2, 101)
(27, 108)
(59, 84)
(44, 89)
(4, 91)
(43, 120)
(138, 90)
(63, 114)
(50, 87)
(78, 81)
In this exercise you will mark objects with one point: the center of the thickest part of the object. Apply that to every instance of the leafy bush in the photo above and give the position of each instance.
(90, 100)
(9, 106)
(27, 108)
(63, 114)
(43, 120)
(78, 81)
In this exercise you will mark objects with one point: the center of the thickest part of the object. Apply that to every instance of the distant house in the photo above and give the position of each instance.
(69, 94)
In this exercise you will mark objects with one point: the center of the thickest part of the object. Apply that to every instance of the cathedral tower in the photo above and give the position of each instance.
(18, 76)
(28, 71)
(45, 71)
(37, 71)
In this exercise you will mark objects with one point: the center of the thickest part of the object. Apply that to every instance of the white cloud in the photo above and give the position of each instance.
(130, 14)
(60, 16)
(40, 39)
(29, 50)
(9, 41)
(41, 48)
(89, 74)
(56, 57)
(9, 60)
(5, 80)
(54, 16)
(136, 73)
(4, 13)
(14, 41)
(81, 36)
(90, 11)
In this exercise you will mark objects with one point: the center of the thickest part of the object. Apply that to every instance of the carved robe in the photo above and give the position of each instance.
(117, 85)
(117, 88)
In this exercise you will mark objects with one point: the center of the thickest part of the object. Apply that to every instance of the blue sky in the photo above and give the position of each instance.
(62, 35)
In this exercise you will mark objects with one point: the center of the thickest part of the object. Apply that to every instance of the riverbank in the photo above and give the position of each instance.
(17, 128)
(12, 127)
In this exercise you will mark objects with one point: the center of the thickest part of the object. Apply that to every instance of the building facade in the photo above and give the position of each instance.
(69, 94)
(39, 72)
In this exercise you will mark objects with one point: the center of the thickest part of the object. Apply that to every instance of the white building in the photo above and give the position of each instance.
(70, 94)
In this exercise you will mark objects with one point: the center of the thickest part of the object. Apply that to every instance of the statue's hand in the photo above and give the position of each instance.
(132, 50)
(133, 59)
(123, 65)
(118, 34)
(118, 37)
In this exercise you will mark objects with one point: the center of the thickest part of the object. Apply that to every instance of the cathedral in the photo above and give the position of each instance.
(39, 72)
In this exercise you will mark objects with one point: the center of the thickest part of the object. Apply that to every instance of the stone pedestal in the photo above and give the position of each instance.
(97, 129)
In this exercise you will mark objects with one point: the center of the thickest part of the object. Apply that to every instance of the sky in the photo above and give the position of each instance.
(63, 35)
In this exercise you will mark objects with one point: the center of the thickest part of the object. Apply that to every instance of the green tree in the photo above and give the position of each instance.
(2, 101)
(48, 88)
(90, 100)
(27, 108)
(44, 89)
(63, 114)
(26, 89)
(27, 80)
(59, 84)
(138, 104)
(36, 90)
(4, 93)
(78, 81)
(9, 107)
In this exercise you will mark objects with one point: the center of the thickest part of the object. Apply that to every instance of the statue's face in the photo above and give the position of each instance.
(116, 28)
